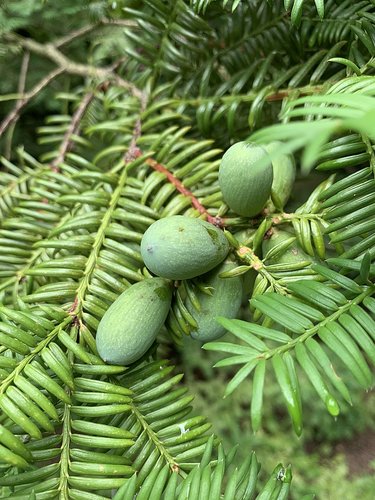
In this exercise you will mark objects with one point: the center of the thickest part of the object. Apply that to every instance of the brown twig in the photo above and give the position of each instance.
(64, 40)
(49, 51)
(12, 117)
(217, 221)
(279, 96)
(133, 152)
(73, 128)
(252, 95)
(65, 65)
(91, 27)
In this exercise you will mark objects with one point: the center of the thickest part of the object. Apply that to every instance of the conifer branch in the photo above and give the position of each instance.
(251, 96)
(174, 466)
(312, 331)
(77, 307)
(50, 51)
(33, 354)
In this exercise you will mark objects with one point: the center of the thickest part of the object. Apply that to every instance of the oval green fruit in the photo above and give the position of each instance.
(292, 254)
(245, 236)
(284, 175)
(245, 185)
(180, 247)
(225, 301)
(131, 324)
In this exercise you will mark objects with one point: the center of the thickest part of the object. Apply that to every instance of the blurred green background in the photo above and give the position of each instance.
(334, 458)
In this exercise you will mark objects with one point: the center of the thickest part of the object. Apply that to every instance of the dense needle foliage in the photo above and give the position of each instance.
(115, 114)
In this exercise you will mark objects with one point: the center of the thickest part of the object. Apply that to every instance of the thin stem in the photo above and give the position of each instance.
(250, 96)
(131, 155)
(97, 246)
(13, 116)
(64, 458)
(133, 151)
(23, 73)
(157, 443)
(66, 436)
(67, 142)
(280, 218)
(49, 51)
(217, 221)
(70, 37)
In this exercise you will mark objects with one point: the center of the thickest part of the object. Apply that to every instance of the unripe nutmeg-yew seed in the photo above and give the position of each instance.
(284, 175)
(244, 183)
(225, 301)
(180, 247)
(131, 324)
(291, 255)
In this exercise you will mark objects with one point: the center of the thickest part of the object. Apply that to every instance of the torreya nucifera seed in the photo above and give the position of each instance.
(180, 247)
(244, 182)
(225, 300)
(284, 175)
(131, 324)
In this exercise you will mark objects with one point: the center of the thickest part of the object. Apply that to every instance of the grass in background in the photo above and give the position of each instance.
(325, 459)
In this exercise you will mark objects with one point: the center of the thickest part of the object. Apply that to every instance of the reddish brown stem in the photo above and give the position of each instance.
(133, 151)
(72, 308)
(281, 94)
(217, 221)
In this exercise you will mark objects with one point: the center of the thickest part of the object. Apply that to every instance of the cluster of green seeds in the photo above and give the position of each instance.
(180, 248)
